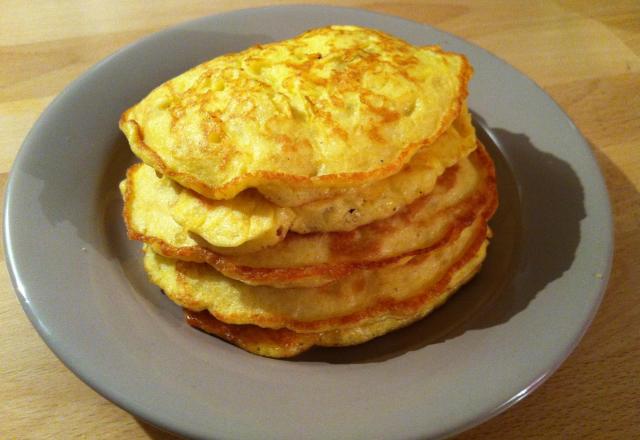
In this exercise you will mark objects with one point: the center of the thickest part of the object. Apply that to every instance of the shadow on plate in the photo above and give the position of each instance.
(536, 233)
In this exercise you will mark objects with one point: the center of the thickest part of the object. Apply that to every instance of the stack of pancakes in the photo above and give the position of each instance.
(323, 190)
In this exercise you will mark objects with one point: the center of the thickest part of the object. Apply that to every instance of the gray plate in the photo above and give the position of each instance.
(80, 280)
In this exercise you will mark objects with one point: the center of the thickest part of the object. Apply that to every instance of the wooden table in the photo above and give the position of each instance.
(586, 55)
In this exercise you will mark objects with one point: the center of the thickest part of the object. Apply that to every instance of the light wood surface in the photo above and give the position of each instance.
(585, 54)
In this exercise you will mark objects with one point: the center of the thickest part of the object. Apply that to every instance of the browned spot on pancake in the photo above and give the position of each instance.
(386, 115)
(359, 283)
(269, 342)
(338, 131)
(300, 145)
(380, 227)
(336, 100)
(176, 110)
(352, 244)
(213, 128)
(374, 134)
(287, 145)
(448, 178)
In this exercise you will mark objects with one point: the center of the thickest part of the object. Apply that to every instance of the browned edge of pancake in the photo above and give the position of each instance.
(278, 343)
(283, 342)
(486, 202)
(388, 307)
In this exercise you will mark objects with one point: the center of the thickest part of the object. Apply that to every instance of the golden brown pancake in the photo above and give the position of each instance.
(334, 107)
(319, 191)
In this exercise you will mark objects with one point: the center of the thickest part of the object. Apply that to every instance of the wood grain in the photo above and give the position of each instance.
(586, 55)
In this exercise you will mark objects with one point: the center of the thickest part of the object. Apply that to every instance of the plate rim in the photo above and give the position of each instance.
(157, 420)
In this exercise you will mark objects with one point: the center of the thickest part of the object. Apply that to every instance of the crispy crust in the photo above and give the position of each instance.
(259, 178)
(483, 203)
(276, 343)
(283, 343)
(385, 307)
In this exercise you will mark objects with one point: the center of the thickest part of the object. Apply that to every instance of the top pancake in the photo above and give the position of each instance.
(334, 107)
